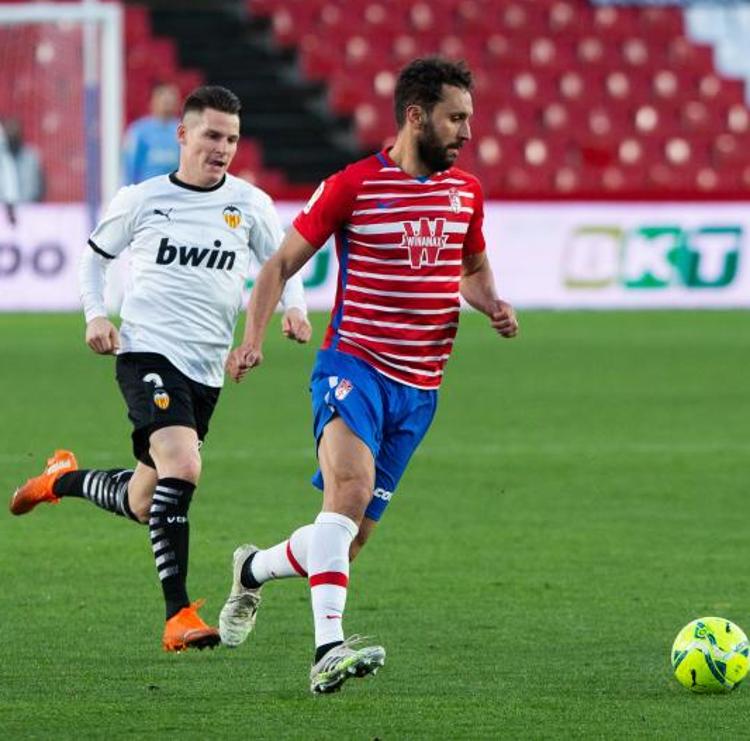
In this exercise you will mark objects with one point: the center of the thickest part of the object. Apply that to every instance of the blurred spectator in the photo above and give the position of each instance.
(8, 178)
(151, 146)
(27, 162)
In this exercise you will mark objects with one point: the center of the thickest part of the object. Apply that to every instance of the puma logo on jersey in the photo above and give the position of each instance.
(207, 257)
(165, 213)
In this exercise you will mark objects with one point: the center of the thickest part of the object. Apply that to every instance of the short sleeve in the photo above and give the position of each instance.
(116, 229)
(474, 241)
(328, 209)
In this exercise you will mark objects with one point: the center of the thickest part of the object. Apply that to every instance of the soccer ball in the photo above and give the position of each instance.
(710, 655)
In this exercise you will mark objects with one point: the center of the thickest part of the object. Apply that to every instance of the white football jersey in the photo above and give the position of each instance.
(190, 257)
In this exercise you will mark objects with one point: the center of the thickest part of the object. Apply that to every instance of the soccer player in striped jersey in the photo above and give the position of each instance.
(190, 235)
(408, 228)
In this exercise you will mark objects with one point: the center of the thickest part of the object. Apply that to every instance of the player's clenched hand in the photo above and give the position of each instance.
(241, 360)
(295, 326)
(102, 336)
(503, 319)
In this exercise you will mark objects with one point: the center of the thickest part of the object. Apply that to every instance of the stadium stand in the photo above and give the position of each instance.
(45, 93)
(573, 100)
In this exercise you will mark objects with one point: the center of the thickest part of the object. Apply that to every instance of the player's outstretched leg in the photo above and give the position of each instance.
(62, 478)
(347, 659)
(237, 617)
(40, 488)
(251, 568)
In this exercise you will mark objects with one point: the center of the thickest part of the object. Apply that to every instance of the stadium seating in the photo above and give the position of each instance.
(572, 100)
(47, 96)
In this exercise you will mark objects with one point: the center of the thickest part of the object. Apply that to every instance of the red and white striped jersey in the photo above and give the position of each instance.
(400, 241)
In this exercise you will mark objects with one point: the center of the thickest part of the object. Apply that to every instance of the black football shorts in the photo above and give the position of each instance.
(158, 395)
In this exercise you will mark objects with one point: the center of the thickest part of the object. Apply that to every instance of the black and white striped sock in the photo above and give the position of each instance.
(170, 535)
(106, 489)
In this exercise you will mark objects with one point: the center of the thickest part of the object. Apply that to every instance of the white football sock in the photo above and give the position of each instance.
(285, 559)
(328, 567)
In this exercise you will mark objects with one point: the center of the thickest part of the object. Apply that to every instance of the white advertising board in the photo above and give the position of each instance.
(39, 257)
(603, 255)
(544, 255)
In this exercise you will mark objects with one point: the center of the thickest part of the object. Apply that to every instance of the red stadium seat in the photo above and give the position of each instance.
(569, 97)
(137, 24)
(661, 23)
(722, 90)
(562, 16)
(730, 150)
(614, 23)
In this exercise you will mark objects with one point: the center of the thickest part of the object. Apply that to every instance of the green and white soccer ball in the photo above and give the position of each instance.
(710, 655)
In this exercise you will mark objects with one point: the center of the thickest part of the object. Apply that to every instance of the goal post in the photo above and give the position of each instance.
(94, 34)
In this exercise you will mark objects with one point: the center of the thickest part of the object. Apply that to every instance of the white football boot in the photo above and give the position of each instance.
(345, 661)
(237, 617)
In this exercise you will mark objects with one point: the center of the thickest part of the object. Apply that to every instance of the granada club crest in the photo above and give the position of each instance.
(161, 397)
(455, 200)
(343, 389)
(232, 216)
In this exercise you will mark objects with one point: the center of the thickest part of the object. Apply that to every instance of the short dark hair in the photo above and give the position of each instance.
(421, 83)
(212, 96)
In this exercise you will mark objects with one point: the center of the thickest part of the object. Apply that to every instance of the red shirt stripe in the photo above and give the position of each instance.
(400, 242)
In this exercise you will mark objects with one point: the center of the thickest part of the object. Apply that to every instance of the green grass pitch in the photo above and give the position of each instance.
(581, 496)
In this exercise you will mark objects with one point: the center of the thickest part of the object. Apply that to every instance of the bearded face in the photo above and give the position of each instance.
(435, 153)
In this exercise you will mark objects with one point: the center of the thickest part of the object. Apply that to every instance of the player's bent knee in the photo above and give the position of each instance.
(351, 498)
(187, 469)
(185, 466)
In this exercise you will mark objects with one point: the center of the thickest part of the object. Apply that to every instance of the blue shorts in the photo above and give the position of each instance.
(391, 418)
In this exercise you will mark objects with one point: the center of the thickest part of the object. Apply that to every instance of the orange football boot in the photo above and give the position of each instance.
(187, 630)
(39, 488)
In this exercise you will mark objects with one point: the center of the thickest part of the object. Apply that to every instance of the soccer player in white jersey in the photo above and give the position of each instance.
(408, 227)
(190, 236)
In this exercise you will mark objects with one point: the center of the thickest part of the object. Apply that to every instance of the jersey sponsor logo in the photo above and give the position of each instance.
(424, 239)
(206, 257)
(653, 256)
(161, 397)
(165, 212)
(232, 216)
(455, 200)
(383, 494)
(314, 197)
(343, 389)
(179, 519)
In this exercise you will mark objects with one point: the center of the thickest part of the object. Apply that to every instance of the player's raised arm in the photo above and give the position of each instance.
(293, 253)
(478, 288)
